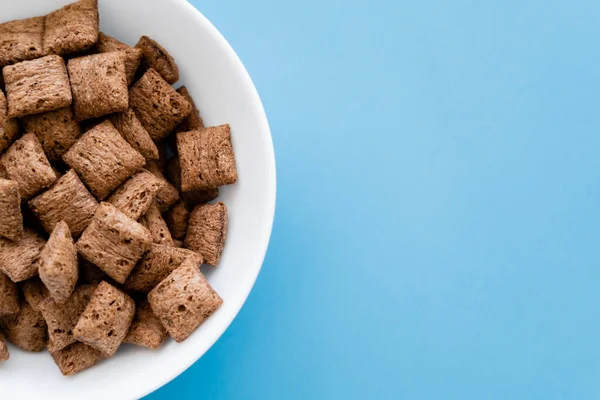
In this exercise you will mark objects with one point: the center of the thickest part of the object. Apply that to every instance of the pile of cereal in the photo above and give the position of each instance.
(106, 177)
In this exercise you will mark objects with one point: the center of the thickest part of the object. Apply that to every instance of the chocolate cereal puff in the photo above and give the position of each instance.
(11, 218)
(72, 28)
(156, 57)
(9, 296)
(103, 159)
(56, 130)
(157, 105)
(37, 86)
(114, 242)
(192, 121)
(21, 40)
(168, 194)
(183, 300)
(75, 358)
(135, 134)
(99, 85)
(26, 329)
(9, 127)
(206, 158)
(157, 264)
(207, 231)
(67, 200)
(146, 329)
(134, 197)
(35, 292)
(193, 197)
(59, 268)
(62, 318)
(26, 163)
(177, 220)
(133, 56)
(156, 225)
(106, 319)
(4, 355)
(19, 260)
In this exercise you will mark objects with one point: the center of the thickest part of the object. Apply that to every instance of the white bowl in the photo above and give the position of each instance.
(224, 93)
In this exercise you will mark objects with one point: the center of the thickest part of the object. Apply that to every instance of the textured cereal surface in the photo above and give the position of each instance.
(177, 220)
(21, 40)
(26, 329)
(193, 197)
(72, 28)
(135, 195)
(75, 358)
(9, 127)
(192, 121)
(135, 134)
(9, 296)
(4, 355)
(146, 329)
(133, 55)
(35, 292)
(156, 225)
(158, 58)
(168, 194)
(20, 260)
(59, 268)
(207, 231)
(11, 218)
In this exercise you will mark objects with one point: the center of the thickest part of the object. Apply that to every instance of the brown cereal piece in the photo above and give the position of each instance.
(192, 121)
(158, 58)
(35, 292)
(132, 130)
(4, 356)
(99, 85)
(183, 300)
(19, 260)
(194, 197)
(3, 173)
(26, 329)
(114, 242)
(26, 164)
(59, 269)
(133, 56)
(157, 264)
(68, 200)
(146, 329)
(206, 158)
(156, 225)
(37, 86)
(9, 127)
(62, 318)
(134, 197)
(177, 220)
(75, 358)
(207, 231)
(157, 105)
(9, 296)
(177, 243)
(89, 273)
(72, 28)
(11, 218)
(168, 194)
(21, 40)
(56, 130)
(103, 159)
(106, 319)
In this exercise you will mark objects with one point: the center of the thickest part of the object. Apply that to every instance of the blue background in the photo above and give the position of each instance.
(437, 233)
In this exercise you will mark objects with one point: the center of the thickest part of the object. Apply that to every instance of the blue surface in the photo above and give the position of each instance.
(437, 230)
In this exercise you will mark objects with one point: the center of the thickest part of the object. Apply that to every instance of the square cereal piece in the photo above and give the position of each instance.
(177, 220)
(134, 133)
(26, 163)
(9, 127)
(156, 225)
(99, 85)
(133, 56)
(59, 268)
(11, 218)
(206, 158)
(106, 319)
(26, 329)
(157, 264)
(9, 296)
(114, 242)
(135, 195)
(34, 292)
(72, 28)
(184, 300)
(21, 40)
(56, 130)
(67, 200)
(146, 329)
(168, 194)
(75, 358)
(159, 59)
(192, 121)
(62, 318)
(37, 86)
(103, 159)
(157, 105)
(4, 356)
(193, 197)
(207, 231)
(19, 260)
